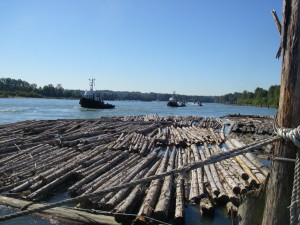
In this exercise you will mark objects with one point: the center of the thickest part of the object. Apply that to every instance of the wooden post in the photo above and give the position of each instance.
(279, 188)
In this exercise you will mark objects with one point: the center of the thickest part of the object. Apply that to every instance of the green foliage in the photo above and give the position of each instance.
(260, 97)
(18, 88)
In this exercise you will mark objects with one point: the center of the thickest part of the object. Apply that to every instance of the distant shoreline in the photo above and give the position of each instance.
(39, 97)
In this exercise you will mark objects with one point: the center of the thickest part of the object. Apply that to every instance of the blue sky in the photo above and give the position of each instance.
(193, 47)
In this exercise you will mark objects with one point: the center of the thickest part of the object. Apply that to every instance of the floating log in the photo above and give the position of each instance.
(134, 198)
(45, 154)
(206, 207)
(232, 163)
(226, 174)
(186, 177)
(132, 175)
(71, 216)
(179, 205)
(252, 178)
(101, 169)
(232, 197)
(231, 210)
(162, 207)
(96, 183)
(259, 165)
(222, 196)
(257, 175)
(147, 170)
(179, 201)
(199, 176)
(209, 175)
(153, 193)
(51, 185)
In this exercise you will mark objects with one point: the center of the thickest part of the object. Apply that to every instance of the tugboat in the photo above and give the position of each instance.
(173, 102)
(93, 100)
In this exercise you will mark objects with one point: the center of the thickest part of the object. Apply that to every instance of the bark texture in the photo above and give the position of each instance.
(279, 187)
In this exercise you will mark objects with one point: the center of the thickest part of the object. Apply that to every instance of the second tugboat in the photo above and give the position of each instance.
(173, 102)
(93, 100)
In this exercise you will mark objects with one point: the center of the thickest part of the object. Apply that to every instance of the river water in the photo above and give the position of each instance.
(20, 109)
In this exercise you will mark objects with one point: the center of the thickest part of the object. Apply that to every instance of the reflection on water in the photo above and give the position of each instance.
(19, 109)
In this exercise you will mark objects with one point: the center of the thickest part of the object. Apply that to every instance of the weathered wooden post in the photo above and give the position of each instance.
(279, 187)
(270, 204)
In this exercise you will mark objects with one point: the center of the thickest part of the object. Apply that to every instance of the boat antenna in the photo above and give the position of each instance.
(92, 83)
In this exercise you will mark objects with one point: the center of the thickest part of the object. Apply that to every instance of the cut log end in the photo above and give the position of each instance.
(206, 208)
(140, 220)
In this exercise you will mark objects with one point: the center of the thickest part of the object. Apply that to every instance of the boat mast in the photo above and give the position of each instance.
(92, 83)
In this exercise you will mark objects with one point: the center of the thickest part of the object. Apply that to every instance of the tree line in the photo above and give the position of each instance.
(260, 97)
(19, 88)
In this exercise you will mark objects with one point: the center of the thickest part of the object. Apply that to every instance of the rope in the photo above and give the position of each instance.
(184, 169)
(291, 134)
(283, 159)
(295, 199)
(93, 211)
(294, 136)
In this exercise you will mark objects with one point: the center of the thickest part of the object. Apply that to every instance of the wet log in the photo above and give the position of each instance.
(5, 160)
(162, 207)
(134, 198)
(232, 169)
(58, 181)
(179, 199)
(215, 136)
(111, 178)
(184, 136)
(120, 195)
(179, 205)
(145, 171)
(206, 207)
(113, 173)
(231, 210)
(235, 188)
(101, 161)
(252, 178)
(124, 143)
(199, 173)
(232, 163)
(232, 197)
(209, 193)
(145, 144)
(129, 176)
(258, 164)
(99, 171)
(210, 176)
(222, 132)
(64, 215)
(257, 175)
(153, 193)
(194, 191)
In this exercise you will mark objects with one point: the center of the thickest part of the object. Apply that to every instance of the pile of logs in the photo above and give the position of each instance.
(262, 125)
(36, 157)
